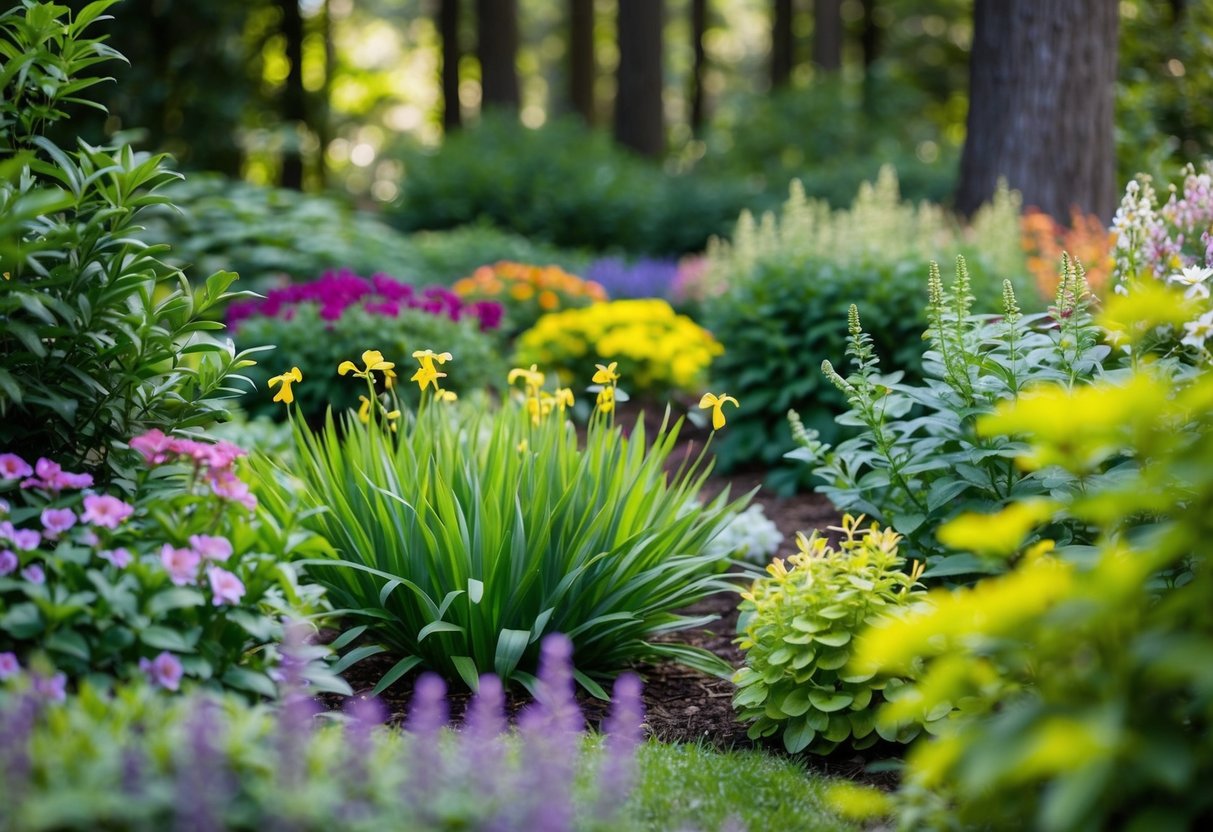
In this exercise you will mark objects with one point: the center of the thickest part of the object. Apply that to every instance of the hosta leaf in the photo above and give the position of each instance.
(829, 700)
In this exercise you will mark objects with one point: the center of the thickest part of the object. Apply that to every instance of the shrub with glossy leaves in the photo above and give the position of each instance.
(100, 339)
(799, 622)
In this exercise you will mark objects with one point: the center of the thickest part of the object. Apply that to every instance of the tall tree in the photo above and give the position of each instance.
(639, 122)
(1042, 80)
(582, 67)
(448, 30)
(783, 44)
(497, 48)
(699, 25)
(294, 96)
(827, 34)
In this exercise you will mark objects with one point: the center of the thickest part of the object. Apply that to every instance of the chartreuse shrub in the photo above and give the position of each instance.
(100, 340)
(778, 292)
(658, 350)
(1081, 677)
(798, 625)
(918, 459)
(463, 535)
(528, 292)
(182, 579)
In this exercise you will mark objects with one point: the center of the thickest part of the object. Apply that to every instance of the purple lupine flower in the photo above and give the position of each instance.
(105, 511)
(8, 562)
(34, 574)
(550, 731)
(57, 520)
(50, 688)
(481, 744)
(211, 547)
(363, 715)
(624, 730)
(17, 718)
(165, 670)
(226, 588)
(9, 666)
(13, 467)
(427, 718)
(296, 710)
(202, 795)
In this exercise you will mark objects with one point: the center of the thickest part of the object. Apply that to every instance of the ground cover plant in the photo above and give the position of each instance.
(513, 529)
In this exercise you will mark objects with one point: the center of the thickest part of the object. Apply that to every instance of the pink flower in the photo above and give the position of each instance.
(13, 467)
(34, 574)
(9, 666)
(105, 511)
(211, 548)
(89, 538)
(51, 476)
(227, 485)
(26, 539)
(119, 557)
(181, 564)
(153, 445)
(75, 481)
(165, 670)
(57, 520)
(8, 562)
(51, 688)
(226, 587)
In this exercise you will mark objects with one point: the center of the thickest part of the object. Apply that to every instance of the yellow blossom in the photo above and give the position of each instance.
(426, 376)
(426, 358)
(717, 404)
(607, 374)
(286, 395)
(445, 395)
(532, 378)
(364, 409)
(372, 359)
(564, 397)
(606, 399)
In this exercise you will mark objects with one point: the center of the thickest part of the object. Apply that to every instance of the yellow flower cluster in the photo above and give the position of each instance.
(520, 286)
(655, 347)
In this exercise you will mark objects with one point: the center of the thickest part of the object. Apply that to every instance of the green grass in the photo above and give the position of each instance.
(695, 787)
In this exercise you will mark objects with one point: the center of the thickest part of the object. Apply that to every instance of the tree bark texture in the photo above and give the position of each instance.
(448, 30)
(581, 58)
(1042, 80)
(639, 119)
(827, 34)
(699, 25)
(294, 97)
(497, 48)
(782, 44)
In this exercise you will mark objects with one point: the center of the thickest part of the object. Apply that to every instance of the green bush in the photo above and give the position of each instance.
(100, 339)
(466, 534)
(798, 624)
(782, 287)
(918, 460)
(562, 184)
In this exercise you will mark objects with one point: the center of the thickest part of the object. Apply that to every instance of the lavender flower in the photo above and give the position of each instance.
(105, 511)
(481, 746)
(427, 718)
(624, 733)
(202, 795)
(644, 278)
(297, 710)
(34, 574)
(8, 562)
(9, 666)
(120, 557)
(225, 586)
(13, 467)
(50, 688)
(550, 732)
(181, 564)
(57, 520)
(165, 670)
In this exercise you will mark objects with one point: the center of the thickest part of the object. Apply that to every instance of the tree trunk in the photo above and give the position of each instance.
(869, 35)
(581, 58)
(448, 30)
(782, 44)
(497, 48)
(827, 34)
(1042, 80)
(699, 25)
(294, 97)
(639, 120)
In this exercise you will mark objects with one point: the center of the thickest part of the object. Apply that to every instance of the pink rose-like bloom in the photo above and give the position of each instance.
(153, 445)
(51, 688)
(211, 548)
(181, 564)
(8, 563)
(9, 666)
(105, 511)
(227, 588)
(57, 520)
(165, 670)
(119, 557)
(34, 574)
(13, 467)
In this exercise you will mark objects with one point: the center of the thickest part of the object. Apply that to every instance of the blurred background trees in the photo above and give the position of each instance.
(352, 94)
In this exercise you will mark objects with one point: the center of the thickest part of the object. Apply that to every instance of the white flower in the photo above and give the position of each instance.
(1193, 277)
(1199, 330)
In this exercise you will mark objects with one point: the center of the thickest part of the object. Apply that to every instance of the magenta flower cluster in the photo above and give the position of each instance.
(337, 291)
(212, 462)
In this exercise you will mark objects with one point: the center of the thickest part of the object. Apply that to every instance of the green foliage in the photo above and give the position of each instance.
(467, 535)
(129, 581)
(784, 285)
(562, 184)
(798, 626)
(317, 346)
(918, 460)
(1081, 674)
(100, 339)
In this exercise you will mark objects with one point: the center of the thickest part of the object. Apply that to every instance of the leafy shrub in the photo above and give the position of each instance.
(1086, 240)
(315, 325)
(562, 184)
(656, 349)
(642, 278)
(186, 581)
(137, 760)
(798, 626)
(918, 459)
(1082, 671)
(777, 294)
(100, 340)
(513, 529)
(528, 292)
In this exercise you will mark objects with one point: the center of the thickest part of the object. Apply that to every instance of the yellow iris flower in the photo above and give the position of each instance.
(426, 376)
(531, 378)
(285, 394)
(446, 395)
(426, 358)
(607, 374)
(717, 404)
(606, 399)
(364, 410)
(372, 359)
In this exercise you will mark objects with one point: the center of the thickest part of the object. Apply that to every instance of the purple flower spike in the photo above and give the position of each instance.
(481, 749)
(551, 738)
(427, 718)
(202, 795)
(624, 729)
